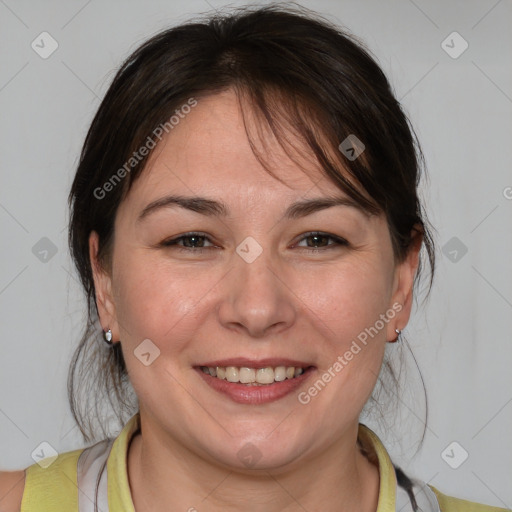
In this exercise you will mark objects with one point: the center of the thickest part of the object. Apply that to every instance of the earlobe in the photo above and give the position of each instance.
(103, 289)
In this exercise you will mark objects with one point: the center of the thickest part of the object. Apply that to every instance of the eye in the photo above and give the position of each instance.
(191, 242)
(321, 239)
(196, 242)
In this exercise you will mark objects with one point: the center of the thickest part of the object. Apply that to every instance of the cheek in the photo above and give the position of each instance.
(347, 315)
(346, 311)
(155, 301)
(347, 300)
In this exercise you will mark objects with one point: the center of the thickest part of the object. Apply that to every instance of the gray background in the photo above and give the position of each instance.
(461, 108)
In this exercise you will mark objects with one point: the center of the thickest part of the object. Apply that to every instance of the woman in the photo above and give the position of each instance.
(246, 226)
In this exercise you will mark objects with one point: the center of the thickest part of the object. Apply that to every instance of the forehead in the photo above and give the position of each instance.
(209, 152)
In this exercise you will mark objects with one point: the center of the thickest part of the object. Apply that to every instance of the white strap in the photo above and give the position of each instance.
(92, 464)
(424, 495)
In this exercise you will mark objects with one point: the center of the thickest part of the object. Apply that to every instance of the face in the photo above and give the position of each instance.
(253, 287)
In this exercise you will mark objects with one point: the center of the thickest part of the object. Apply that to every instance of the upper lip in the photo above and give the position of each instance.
(256, 363)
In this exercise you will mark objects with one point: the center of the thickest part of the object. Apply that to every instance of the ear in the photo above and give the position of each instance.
(103, 288)
(403, 285)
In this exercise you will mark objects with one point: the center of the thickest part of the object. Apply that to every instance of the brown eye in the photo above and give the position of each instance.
(319, 240)
(189, 241)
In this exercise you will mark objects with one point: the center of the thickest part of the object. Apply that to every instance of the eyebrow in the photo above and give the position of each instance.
(210, 207)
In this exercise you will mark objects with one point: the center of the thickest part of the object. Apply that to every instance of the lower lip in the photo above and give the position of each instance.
(245, 394)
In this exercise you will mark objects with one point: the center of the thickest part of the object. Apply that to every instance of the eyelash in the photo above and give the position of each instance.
(199, 250)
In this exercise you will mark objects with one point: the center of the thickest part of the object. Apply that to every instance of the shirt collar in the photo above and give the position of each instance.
(387, 487)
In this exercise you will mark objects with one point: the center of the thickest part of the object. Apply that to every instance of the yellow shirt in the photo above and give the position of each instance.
(55, 489)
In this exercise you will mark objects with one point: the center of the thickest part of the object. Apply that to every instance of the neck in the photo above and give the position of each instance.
(166, 476)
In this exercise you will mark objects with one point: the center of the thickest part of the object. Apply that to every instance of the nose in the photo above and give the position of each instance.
(257, 300)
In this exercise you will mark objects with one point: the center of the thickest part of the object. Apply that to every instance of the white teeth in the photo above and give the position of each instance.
(255, 376)
(280, 374)
(265, 376)
(247, 375)
(232, 374)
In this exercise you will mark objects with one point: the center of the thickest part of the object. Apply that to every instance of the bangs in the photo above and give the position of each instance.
(304, 132)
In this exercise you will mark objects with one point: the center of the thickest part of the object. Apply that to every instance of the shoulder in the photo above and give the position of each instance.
(449, 504)
(47, 485)
(12, 485)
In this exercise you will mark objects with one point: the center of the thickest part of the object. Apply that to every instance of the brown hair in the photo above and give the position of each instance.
(303, 77)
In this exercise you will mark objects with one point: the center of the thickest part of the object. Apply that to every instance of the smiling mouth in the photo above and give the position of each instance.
(254, 376)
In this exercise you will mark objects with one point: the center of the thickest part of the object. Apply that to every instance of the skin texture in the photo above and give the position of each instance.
(291, 302)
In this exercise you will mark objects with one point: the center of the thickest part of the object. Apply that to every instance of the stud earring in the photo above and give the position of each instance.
(398, 331)
(107, 336)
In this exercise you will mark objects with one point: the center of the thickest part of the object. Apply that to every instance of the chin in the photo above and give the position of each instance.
(254, 453)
